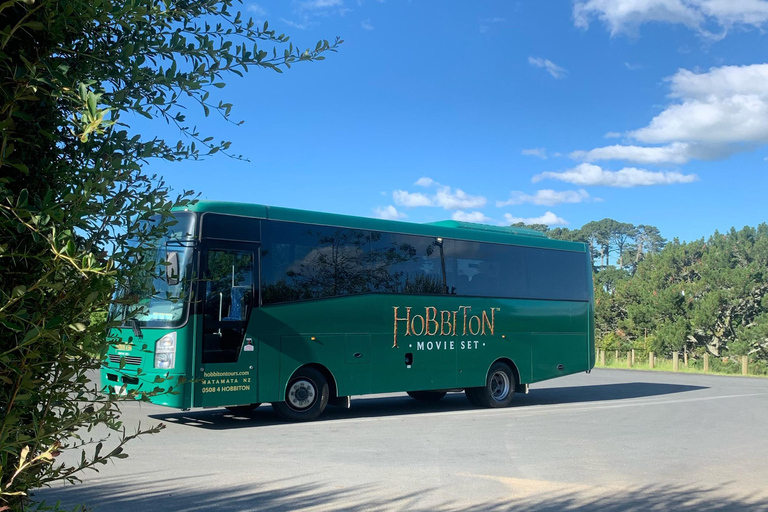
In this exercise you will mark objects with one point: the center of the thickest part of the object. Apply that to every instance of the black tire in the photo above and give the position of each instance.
(306, 396)
(426, 396)
(242, 409)
(471, 394)
(498, 390)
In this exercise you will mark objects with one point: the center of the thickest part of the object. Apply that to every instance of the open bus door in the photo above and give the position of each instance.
(226, 355)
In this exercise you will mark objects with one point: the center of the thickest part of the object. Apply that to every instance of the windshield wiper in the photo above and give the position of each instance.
(136, 328)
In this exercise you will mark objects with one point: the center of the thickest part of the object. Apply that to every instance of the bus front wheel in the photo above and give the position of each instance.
(426, 396)
(305, 397)
(498, 390)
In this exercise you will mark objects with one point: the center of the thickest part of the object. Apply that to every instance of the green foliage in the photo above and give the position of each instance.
(73, 195)
(612, 341)
(709, 296)
(671, 297)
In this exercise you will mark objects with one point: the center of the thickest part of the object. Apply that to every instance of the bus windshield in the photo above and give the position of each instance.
(162, 298)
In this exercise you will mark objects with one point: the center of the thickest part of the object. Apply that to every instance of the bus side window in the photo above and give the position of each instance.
(486, 270)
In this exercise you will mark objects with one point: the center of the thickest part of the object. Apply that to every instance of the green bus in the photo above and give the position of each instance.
(304, 309)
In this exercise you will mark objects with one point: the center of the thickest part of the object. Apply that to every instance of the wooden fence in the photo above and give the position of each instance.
(632, 360)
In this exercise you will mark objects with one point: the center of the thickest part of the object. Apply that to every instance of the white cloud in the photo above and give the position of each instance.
(485, 23)
(552, 68)
(458, 200)
(256, 10)
(411, 200)
(633, 67)
(714, 114)
(549, 218)
(425, 182)
(736, 12)
(628, 15)
(539, 152)
(388, 213)
(677, 153)
(588, 174)
(320, 4)
(546, 197)
(294, 24)
(612, 135)
(724, 105)
(477, 217)
(445, 197)
(702, 16)
(308, 12)
(366, 25)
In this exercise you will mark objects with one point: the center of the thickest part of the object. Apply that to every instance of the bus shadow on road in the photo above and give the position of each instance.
(602, 392)
(402, 405)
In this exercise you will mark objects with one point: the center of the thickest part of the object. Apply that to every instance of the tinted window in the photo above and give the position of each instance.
(556, 274)
(301, 261)
(406, 264)
(230, 227)
(489, 270)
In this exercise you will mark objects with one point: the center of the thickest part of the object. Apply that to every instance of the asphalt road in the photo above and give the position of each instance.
(611, 440)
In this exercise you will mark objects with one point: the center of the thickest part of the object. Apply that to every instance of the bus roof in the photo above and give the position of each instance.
(447, 228)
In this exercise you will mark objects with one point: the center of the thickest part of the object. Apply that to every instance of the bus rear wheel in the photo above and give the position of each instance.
(426, 396)
(498, 390)
(242, 409)
(305, 396)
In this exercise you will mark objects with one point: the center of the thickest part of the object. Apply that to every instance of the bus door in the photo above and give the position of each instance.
(226, 353)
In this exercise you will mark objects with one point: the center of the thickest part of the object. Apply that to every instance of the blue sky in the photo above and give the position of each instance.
(645, 111)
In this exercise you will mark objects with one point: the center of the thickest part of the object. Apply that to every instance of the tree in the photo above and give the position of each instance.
(730, 290)
(648, 239)
(537, 227)
(73, 195)
(621, 236)
(597, 235)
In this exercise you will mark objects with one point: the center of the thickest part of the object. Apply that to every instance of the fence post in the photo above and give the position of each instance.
(650, 360)
(617, 356)
(633, 357)
(629, 359)
(675, 362)
(744, 365)
(706, 363)
(602, 358)
(685, 358)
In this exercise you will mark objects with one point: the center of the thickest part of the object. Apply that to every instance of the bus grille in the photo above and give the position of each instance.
(136, 360)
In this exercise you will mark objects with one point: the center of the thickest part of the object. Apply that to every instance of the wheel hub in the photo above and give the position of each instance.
(301, 394)
(499, 386)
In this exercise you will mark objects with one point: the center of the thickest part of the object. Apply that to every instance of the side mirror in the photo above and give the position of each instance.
(172, 268)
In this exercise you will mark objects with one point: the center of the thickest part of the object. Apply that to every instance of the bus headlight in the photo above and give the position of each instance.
(165, 352)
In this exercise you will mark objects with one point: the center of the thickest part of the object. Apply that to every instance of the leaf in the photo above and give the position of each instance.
(21, 201)
(92, 104)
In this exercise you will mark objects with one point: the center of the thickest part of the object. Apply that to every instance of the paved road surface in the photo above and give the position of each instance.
(611, 440)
